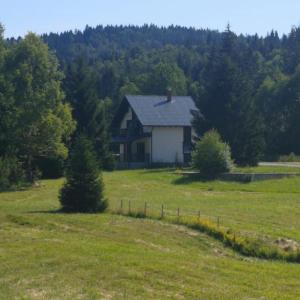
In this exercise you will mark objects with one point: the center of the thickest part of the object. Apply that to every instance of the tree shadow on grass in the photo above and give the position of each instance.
(51, 211)
(64, 212)
(191, 178)
(160, 170)
(18, 188)
(188, 179)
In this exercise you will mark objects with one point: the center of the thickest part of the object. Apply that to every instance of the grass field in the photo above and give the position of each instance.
(47, 255)
(269, 207)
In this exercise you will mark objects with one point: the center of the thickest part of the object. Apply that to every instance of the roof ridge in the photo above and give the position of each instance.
(156, 111)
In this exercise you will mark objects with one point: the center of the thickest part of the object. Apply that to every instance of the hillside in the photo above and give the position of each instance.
(210, 66)
(47, 255)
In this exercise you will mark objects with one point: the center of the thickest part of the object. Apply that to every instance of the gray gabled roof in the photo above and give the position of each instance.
(157, 111)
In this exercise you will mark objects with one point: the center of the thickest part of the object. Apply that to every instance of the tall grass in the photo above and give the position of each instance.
(245, 245)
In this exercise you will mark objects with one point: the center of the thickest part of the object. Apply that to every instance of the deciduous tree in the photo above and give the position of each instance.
(43, 121)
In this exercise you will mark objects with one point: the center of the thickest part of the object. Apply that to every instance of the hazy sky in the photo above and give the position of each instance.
(248, 16)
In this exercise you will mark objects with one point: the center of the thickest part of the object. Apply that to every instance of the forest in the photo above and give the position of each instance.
(58, 85)
(243, 85)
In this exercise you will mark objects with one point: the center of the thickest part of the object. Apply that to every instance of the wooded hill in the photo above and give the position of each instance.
(246, 87)
(247, 81)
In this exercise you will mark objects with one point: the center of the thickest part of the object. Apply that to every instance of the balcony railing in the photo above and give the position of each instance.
(128, 135)
(123, 132)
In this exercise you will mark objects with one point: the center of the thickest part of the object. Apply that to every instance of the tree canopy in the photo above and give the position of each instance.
(37, 122)
(245, 86)
(237, 80)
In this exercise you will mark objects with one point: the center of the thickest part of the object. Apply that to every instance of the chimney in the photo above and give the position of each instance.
(169, 94)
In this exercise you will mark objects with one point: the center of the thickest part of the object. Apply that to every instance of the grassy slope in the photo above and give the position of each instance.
(266, 207)
(55, 256)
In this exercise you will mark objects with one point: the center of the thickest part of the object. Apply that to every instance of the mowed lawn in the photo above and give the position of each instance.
(48, 255)
(270, 207)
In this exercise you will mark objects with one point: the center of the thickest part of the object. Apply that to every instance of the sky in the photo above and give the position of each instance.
(248, 16)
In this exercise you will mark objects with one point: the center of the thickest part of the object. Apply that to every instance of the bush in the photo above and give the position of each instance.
(292, 157)
(83, 189)
(211, 156)
(11, 173)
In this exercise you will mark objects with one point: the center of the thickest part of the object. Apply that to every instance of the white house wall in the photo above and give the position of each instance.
(167, 145)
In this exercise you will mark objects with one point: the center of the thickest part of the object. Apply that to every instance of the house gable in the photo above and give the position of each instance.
(155, 129)
(159, 111)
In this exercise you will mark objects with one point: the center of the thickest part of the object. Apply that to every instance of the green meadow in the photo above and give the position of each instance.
(270, 207)
(45, 254)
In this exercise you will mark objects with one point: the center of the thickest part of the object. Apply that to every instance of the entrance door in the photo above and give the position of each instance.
(140, 152)
(187, 135)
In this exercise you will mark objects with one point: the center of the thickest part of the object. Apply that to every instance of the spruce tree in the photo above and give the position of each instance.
(5, 101)
(89, 110)
(97, 129)
(83, 189)
(228, 104)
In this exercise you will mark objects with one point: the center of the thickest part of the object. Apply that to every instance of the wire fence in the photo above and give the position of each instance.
(241, 242)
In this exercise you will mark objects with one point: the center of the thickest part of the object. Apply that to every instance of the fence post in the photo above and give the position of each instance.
(162, 211)
(121, 205)
(129, 206)
(218, 221)
(178, 214)
(145, 209)
(198, 215)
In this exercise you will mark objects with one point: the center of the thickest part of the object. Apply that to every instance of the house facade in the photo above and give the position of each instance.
(154, 130)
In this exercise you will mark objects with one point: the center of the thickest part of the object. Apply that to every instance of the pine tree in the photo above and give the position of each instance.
(97, 129)
(4, 100)
(83, 189)
(89, 110)
(80, 88)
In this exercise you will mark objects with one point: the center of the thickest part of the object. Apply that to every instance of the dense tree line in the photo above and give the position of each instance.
(245, 86)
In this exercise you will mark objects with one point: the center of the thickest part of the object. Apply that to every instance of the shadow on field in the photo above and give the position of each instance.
(61, 211)
(53, 211)
(191, 178)
(152, 171)
(188, 179)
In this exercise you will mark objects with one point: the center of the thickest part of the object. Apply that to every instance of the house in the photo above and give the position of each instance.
(154, 130)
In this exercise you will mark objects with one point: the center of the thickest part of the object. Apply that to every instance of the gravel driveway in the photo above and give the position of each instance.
(281, 164)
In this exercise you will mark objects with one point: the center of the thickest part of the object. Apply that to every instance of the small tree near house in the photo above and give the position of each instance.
(83, 189)
(211, 156)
